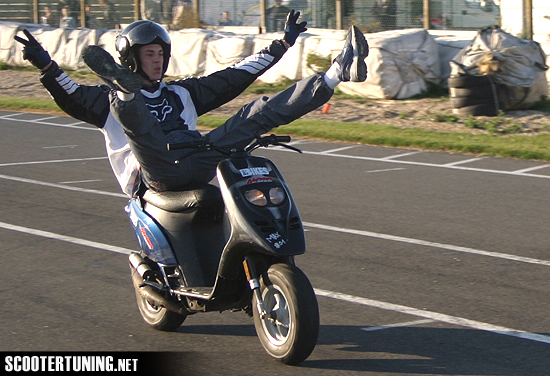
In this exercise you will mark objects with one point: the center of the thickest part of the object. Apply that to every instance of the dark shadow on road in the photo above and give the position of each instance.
(432, 351)
(414, 350)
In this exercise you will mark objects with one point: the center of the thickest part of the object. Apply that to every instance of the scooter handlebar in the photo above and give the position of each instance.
(201, 144)
(185, 145)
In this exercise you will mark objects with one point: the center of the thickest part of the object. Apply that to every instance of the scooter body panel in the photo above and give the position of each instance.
(274, 228)
(149, 236)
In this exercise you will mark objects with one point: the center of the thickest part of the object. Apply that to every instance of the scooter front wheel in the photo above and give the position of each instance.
(158, 317)
(290, 328)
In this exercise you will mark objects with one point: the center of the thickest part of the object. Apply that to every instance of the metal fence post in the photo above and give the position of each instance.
(339, 22)
(83, 13)
(263, 16)
(196, 9)
(136, 10)
(529, 19)
(426, 14)
(35, 15)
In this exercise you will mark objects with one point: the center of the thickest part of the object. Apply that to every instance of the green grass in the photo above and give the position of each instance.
(18, 104)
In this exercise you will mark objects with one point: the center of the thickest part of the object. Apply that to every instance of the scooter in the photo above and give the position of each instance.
(223, 248)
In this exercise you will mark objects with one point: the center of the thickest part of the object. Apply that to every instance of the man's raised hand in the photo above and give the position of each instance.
(292, 30)
(33, 51)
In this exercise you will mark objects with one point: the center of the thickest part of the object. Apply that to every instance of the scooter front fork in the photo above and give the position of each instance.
(254, 283)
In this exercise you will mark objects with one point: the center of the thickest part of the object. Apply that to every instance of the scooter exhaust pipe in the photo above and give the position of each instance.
(140, 266)
(140, 269)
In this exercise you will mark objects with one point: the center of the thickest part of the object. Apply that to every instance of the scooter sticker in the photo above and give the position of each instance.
(276, 240)
(251, 171)
(146, 238)
(263, 179)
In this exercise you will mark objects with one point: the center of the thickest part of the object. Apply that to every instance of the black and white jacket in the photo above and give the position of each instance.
(176, 104)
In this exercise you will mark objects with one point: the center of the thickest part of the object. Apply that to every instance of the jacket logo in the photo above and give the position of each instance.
(160, 111)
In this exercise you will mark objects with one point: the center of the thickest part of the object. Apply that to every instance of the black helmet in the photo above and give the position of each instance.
(141, 33)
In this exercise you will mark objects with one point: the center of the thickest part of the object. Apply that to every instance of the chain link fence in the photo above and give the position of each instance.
(267, 15)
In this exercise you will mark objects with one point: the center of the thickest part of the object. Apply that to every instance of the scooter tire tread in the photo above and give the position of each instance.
(304, 310)
(163, 319)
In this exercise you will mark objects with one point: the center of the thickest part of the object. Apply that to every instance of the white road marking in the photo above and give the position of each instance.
(46, 118)
(67, 187)
(532, 169)
(435, 316)
(393, 159)
(387, 169)
(59, 147)
(402, 239)
(464, 161)
(400, 155)
(397, 325)
(41, 122)
(454, 320)
(334, 295)
(52, 161)
(338, 149)
(80, 181)
(331, 153)
(65, 238)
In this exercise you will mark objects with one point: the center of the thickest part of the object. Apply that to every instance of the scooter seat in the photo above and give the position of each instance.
(204, 197)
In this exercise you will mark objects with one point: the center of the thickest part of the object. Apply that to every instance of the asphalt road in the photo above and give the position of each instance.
(424, 263)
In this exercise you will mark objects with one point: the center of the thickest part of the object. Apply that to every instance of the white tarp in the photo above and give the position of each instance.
(546, 48)
(321, 46)
(290, 65)
(448, 47)
(188, 52)
(224, 50)
(520, 64)
(8, 48)
(518, 61)
(400, 63)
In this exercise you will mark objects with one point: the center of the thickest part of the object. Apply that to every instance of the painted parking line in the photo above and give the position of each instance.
(395, 158)
(80, 181)
(344, 230)
(464, 161)
(61, 186)
(338, 149)
(397, 325)
(387, 169)
(436, 316)
(432, 316)
(52, 161)
(450, 247)
(74, 125)
(400, 155)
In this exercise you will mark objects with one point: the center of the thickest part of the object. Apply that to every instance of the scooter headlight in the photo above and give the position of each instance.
(256, 197)
(276, 195)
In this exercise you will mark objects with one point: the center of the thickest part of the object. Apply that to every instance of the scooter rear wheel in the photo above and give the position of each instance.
(158, 317)
(290, 331)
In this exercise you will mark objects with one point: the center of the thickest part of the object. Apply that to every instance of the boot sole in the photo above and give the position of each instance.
(103, 64)
(358, 69)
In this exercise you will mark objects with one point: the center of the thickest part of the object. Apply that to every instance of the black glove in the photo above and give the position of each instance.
(292, 30)
(33, 51)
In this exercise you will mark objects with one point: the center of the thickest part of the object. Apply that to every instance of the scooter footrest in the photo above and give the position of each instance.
(197, 292)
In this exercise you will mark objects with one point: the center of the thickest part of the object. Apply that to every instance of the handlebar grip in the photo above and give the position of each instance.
(283, 138)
